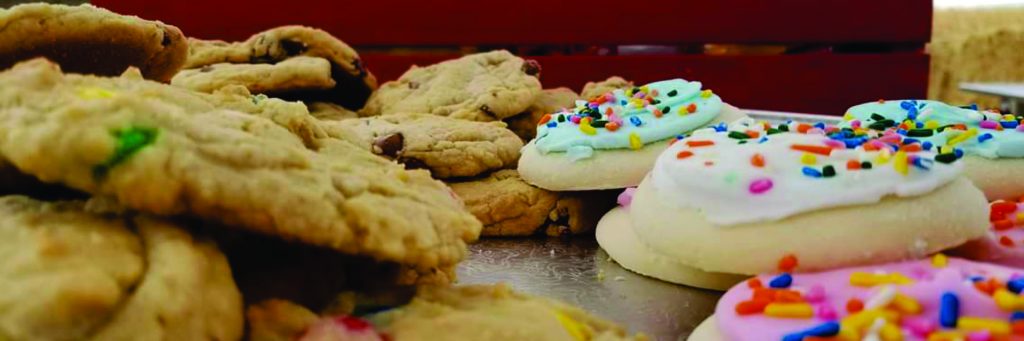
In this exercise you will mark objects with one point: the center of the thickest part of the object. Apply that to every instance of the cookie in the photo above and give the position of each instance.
(930, 299)
(594, 89)
(291, 75)
(616, 236)
(611, 141)
(508, 206)
(828, 199)
(326, 111)
(549, 101)
(464, 313)
(446, 146)
(353, 83)
(170, 157)
(992, 142)
(73, 274)
(487, 86)
(87, 39)
(1004, 241)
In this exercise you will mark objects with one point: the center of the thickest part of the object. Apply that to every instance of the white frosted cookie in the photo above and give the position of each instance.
(611, 141)
(992, 142)
(739, 201)
(615, 235)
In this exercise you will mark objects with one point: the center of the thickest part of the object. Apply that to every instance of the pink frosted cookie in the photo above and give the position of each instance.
(937, 299)
(1004, 243)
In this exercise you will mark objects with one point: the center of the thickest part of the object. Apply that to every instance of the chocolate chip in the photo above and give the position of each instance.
(358, 64)
(206, 68)
(487, 110)
(531, 67)
(389, 145)
(414, 85)
(293, 48)
(411, 163)
(167, 39)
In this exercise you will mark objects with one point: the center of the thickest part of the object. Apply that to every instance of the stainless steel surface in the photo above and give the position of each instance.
(577, 271)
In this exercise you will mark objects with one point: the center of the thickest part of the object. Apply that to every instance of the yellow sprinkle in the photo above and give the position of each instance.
(860, 320)
(706, 93)
(789, 310)
(586, 128)
(1007, 300)
(683, 111)
(866, 279)
(945, 150)
(891, 332)
(939, 260)
(1020, 218)
(931, 124)
(847, 116)
(95, 93)
(574, 328)
(634, 141)
(847, 333)
(962, 137)
(900, 162)
(883, 156)
(808, 159)
(906, 304)
(1009, 118)
(945, 335)
(997, 327)
(909, 123)
(645, 89)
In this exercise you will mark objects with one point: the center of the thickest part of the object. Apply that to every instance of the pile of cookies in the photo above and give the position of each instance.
(159, 187)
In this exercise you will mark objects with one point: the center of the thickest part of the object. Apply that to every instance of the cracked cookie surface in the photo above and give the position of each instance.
(88, 39)
(293, 74)
(155, 151)
(480, 87)
(549, 101)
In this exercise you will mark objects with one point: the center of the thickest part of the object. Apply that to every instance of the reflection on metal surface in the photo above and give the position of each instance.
(578, 272)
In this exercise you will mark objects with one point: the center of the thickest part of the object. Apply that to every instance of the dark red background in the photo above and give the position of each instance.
(823, 80)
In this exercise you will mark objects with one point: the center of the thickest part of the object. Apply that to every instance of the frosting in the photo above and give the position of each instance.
(626, 197)
(629, 118)
(983, 133)
(341, 328)
(1004, 243)
(753, 172)
(937, 299)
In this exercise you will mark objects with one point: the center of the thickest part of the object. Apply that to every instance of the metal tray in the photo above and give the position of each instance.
(577, 271)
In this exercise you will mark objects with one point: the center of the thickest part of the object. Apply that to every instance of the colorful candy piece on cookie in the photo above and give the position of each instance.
(954, 299)
(1004, 244)
(610, 141)
(992, 142)
(725, 202)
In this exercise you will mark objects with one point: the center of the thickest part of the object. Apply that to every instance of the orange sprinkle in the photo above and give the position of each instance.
(753, 134)
(985, 287)
(788, 263)
(820, 150)
(869, 147)
(612, 126)
(852, 165)
(766, 294)
(684, 154)
(757, 160)
(1002, 225)
(657, 112)
(700, 143)
(654, 93)
(1017, 327)
(788, 296)
(1021, 199)
(854, 305)
(544, 119)
(1003, 207)
(960, 126)
(881, 100)
(691, 108)
(608, 111)
(1005, 241)
(751, 307)
(910, 148)
(803, 128)
(754, 283)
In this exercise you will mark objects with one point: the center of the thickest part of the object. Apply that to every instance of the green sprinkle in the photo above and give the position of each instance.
(783, 127)
(877, 117)
(129, 142)
(738, 135)
(773, 131)
(920, 132)
(945, 158)
(731, 178)
(672, 93)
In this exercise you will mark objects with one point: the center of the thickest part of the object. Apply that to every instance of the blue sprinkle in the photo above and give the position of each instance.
(635, 121)
(976, 278)
(1017, 315)
(901, 131)
(622, 102)
(907, 105)
(552, 124)
(1015, 285)
(910, 141)
(820, 125)
(923, 163)
(680, 136)
(973, 106)
(827, 329)
(763, 139)
(984, 137)
(1009, 124)
(918, 125)
(958, 152)
(927, 145)
(781, 281)
(949, 310)
(593, 105)
(811, 172)
(721, 127)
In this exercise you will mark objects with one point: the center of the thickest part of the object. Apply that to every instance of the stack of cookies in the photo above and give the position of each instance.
(220, 207)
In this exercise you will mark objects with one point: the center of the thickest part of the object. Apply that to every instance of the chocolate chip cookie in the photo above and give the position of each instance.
(508, 206)
(593, 89)
(352, 82)
(549, 101)
(480, 87)
(446, 146)
(155, 152)
(291, 75)
(326, 111)
(480, 312)
(87, 39)
(73, 274)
